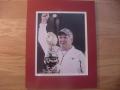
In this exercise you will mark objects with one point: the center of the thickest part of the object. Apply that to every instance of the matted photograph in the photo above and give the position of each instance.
(61, 47)
(61, 44)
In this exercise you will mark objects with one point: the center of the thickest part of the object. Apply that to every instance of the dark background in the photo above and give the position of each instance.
(74, 22)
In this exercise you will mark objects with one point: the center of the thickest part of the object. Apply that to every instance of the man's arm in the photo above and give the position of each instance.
(83, 64)
(42, 33)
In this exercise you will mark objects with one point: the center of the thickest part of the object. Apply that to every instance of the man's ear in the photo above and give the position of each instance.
(72, 40)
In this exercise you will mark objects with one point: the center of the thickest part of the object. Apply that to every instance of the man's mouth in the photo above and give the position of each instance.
(62, 42)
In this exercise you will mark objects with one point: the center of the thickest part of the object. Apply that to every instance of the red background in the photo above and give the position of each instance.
(89, 81)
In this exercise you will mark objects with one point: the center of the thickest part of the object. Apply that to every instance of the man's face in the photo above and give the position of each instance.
(65, 41)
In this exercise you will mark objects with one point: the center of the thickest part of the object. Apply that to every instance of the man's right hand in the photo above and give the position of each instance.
(44, 18)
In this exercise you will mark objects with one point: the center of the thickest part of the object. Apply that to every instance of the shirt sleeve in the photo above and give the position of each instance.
(83, 63)
(42, 34)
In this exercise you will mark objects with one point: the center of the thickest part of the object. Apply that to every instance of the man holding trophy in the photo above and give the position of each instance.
(63, 58)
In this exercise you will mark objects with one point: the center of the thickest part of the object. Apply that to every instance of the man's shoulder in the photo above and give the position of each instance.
(77, 52)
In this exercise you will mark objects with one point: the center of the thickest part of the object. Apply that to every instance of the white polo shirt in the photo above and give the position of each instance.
(71, 62)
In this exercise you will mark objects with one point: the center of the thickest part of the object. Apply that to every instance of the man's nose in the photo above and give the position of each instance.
(62, 39)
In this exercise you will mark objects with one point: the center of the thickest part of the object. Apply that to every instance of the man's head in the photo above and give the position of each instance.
(65, 38)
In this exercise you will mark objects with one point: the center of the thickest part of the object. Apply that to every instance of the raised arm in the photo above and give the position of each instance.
(42, 33)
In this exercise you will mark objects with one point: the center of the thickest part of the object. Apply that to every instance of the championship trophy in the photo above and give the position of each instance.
(51, 58)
